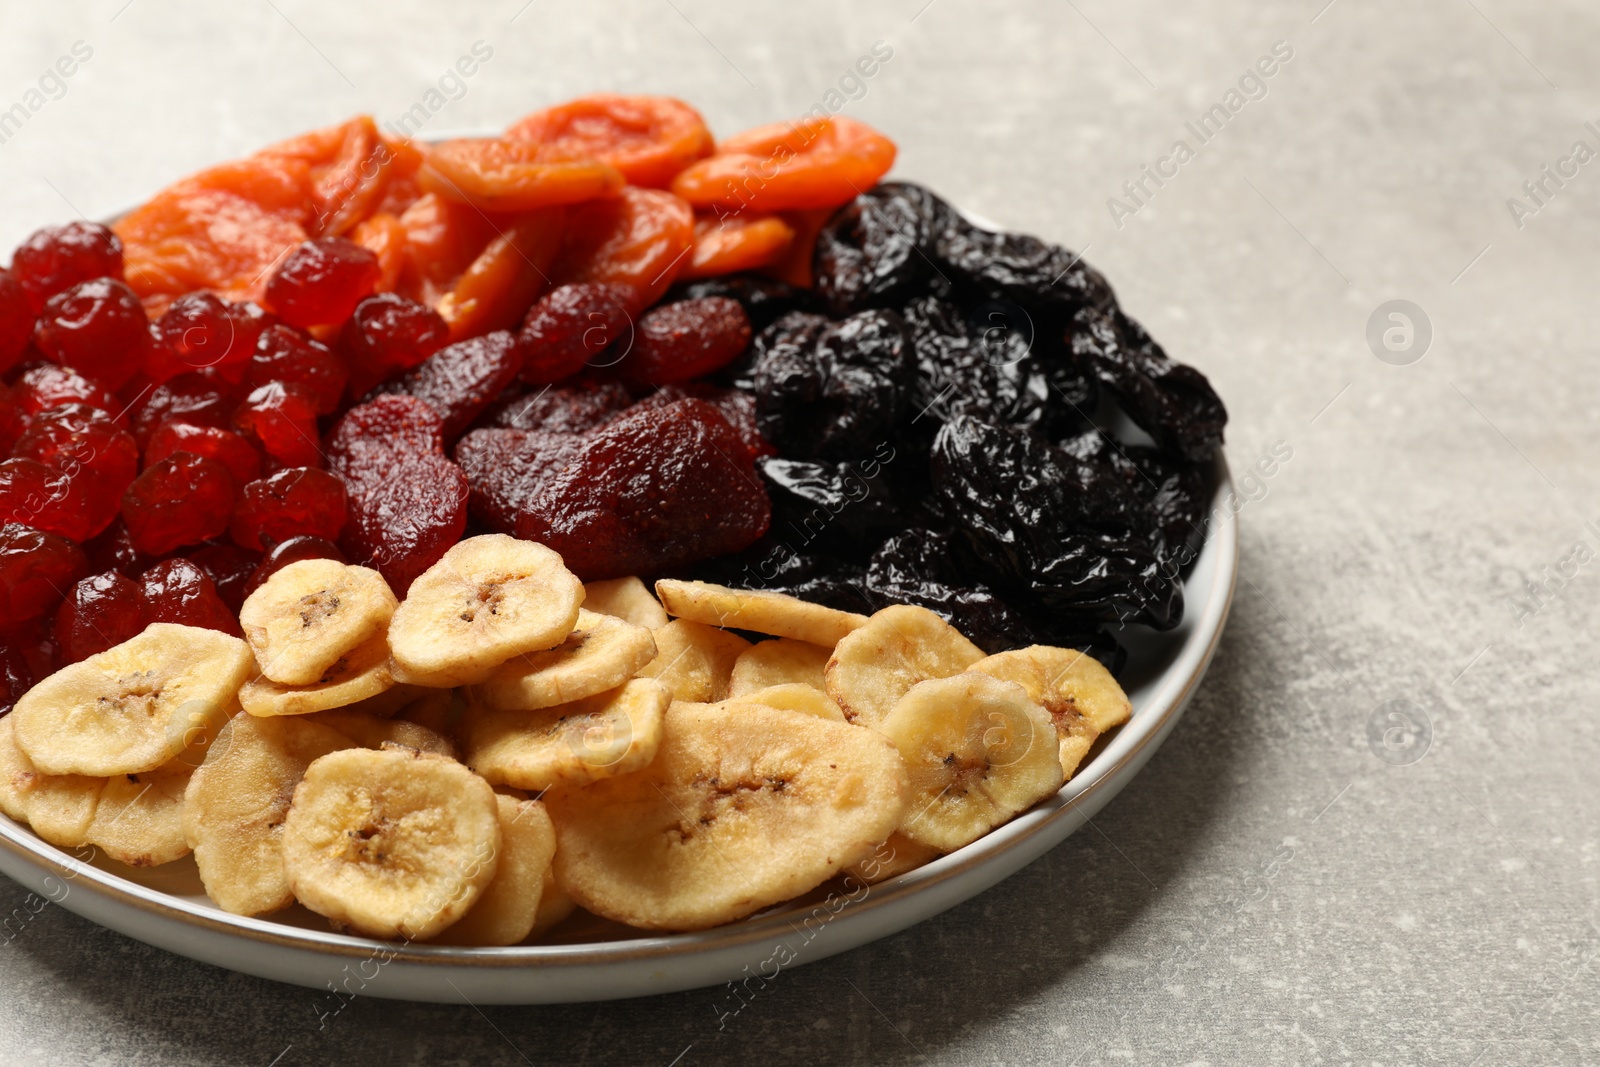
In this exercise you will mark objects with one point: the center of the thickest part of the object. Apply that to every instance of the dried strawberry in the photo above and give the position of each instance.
(193, 399)
(228, 566)
(177, 591)
(321, 282)
(97, 328)
(282, 418)
(404, 524)
(372, 440)
(569, 326)
(287, 355)
(688, 339)
(292, 550)
(56, 258)
(16, 321)
(183, 500)
(387, 334)
(736, 405)
(46, 385)
(579, 404)
(36, 568)
(460, 381)
(102, 610)
(507, 468)
(300, 500)
(224, 446)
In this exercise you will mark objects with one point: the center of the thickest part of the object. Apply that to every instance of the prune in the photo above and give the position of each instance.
(832, 390)
(321, 282)
(772, 563)
(200, 331)
(1020, 268)
(387, 334)
(1067, 533)
(299, 500)
(16, 320)
(286, 355)
(229, 567)
(100, 611)
(507, 468)
(1176, 492)
(56, 258)
(1171, 401)
(569, 326)
(183, 500)
(190, 398)
(224, 446)
(404, 524)
(281, 417)
(653, 490)
(97, 328)
(36, 568)
(960, 371)
(459, 381)
(878, 249)
(679, 341)
(372, 441)
(573, 407)
(738, 407)
(46, 385)
(765, 300)
(177, 591)
(290, 551)
(843, 507)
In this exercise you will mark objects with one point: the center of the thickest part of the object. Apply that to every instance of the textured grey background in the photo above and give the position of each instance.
(1268, 890)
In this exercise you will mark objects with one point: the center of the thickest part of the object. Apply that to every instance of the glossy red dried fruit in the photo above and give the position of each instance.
(297, 501)
(48, 499)
(36, 569)
(229, 567)
(183, 500)
(102, 610)
(177, 591)
(112, 550)
(290, 551)
(13, 423)
(569, 326)
(654, 490)
(287, 355)
(372, 440)
(56, 258)
(736, 405)
(16, 321)
(388, 334)
(459, 381)
(677, 342)
(403, 525)
(578, 405)
(321, 282)
(97, 328)
(192, 399)
(506, 469)
(224, 446)
(76, 437)
(200, 331)
(282, 418)
(45, 385)
(16, 677)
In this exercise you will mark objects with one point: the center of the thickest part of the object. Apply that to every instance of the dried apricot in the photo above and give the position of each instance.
(794, 266)
(735, 243)
(443, 237)
(498, 175)
(385, 237)
(508, 275)
(350, 166)
(648, 138)
(784, 166)
(640, 239)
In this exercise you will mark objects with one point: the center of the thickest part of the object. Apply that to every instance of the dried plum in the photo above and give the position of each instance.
(844, 506)
(979, 372)
(877, 250)
(1017, 267)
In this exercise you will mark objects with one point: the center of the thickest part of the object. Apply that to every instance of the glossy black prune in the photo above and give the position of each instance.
(1017, 267)
(988, 372)
(1177, 492)
(844, 507)
(1171, 401)
(877, 250)
(775, 564)
(832, 390)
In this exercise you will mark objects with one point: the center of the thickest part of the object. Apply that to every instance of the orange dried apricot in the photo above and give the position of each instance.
(385, 237)
(351, 166)
(794, 265)
(506, 278)
(738, 242)
(443, 237)
(787, 166)
(648, 138)
(640, 239)
(496, 175)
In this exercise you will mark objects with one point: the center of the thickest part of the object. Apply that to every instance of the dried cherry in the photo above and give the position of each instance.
(112, 550)
(200, 331)
(284, 354)
(183, 500)
(99, 612)
(285, 552)
(79, 439)
(97, 328)
(459, 381)
(299, 500)
(687, 339)
(321, 282)
(51, 500)
(56, 258)
(228, 448)
(281, 417)
(16, 320)
(386, 334)
(35, 569)
(193, 399)
(229, 567)
(46, 385)
(569, 326)
(177, 591)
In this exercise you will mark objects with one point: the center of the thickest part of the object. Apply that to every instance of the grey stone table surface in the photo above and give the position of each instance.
(1275, 886)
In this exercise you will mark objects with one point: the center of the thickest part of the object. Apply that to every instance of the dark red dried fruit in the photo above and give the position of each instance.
(56, 258)
(112, 550)
(575, 406)
(404, 524)
(48, 499)
(183, 500)
(653, 491)
(677, 342)
(224, 446)
(179, 592)
(36, 570)
(460, 381)
(229, 567)
(388, 334)
(16, 677)
(192, 398)
(13, 423)
(507, 468)
(16, 321)
(77, 437)
(200, 331)
(287, 355)
(321, 282)
(45, 385)
(380, 435)
(569, 326)
(102, 610)
(282, 418)
(300, 500)
(737, 406)
(290, 551)
(97, 328)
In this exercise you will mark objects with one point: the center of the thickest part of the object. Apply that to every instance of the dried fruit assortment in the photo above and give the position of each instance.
(816, 406)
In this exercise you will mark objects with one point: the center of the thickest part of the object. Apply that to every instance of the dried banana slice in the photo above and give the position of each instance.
(309, 614)
(139, 817)
(369, 731)
(694, 660)
(600, 654)
(134, 706)
(778, 662)
(1081, 697)
(509, 906)
(391, 842)
(598, 737)
(358, 675)
(757, 609)
(899, 646)
(794, 697)
(440, 711)
(393, 700)
(978, 751)
(626, 598)
(60, 808)
(235, 804)
(742, 807)
(895, 856)
(554, 904)
(489, 598)
(16, 772)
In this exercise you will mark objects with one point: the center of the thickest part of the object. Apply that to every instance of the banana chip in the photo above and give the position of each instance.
(60, 808)
(743, 807)
(309, 614)
(793, 697)
(369, 731)
(357, 676)
(758, 610)
(626, 598)
(899, 646)
(1081, 697)
(599, 655)
(694, 661)
(139, 817)
(598, 737)
(506, 912)
(895, 856)
(778, 662)
(554, 904)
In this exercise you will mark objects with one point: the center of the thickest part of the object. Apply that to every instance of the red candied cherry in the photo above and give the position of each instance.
(45, 385)
(291, 550)
(36, 569)
(16, 677)
(97, 328)
(13, 423)
(228, 566)
(284, 354)
(282, 418)
(16, 321)
(388, 334)
(688, 339)
(77, 437)
(68, 504)
(194, 399)
(177, 591)
(228, 448)
(569, 326)
(183, 500)
(56, 258)
(321, 282)
(102, 610)
(112, 550)
(200, 331)
(300, 500)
